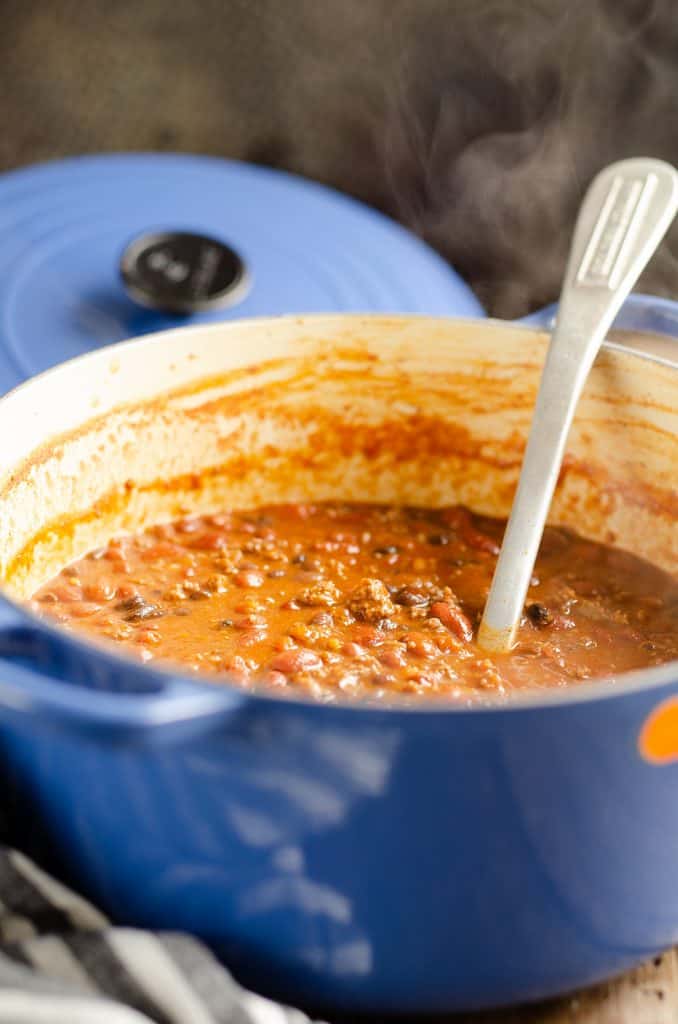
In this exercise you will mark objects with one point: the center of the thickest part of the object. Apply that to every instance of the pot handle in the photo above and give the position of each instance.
(643, 313)
(169, 708)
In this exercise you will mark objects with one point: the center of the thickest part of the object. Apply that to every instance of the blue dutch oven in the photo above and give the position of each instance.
(420, 858)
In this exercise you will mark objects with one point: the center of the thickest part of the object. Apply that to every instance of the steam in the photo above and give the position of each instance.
(502, 115)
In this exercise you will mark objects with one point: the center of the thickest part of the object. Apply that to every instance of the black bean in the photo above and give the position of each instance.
(439, 539)
(149, 611)
(225, 624)
(409, 598)
(299, 559)
(389, 549)
(130, 603)
(538, 614)
(137, 609)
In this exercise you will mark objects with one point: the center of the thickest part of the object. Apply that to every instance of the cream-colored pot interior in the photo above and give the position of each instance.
(401, 409)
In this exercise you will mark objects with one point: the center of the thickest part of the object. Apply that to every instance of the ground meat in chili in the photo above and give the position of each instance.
(363, 600)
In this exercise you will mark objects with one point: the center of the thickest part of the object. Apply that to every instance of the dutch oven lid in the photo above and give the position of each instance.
(94, 250)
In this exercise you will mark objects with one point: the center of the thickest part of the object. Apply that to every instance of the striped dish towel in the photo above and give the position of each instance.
(62, 962)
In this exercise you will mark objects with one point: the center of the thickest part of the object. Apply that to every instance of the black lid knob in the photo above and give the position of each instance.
(181, 272)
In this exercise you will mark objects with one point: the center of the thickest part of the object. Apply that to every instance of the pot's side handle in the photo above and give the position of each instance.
(169, 709)
(644, 313)
(178, 711)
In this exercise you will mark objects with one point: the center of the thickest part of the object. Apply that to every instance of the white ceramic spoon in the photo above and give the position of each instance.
(624, 215)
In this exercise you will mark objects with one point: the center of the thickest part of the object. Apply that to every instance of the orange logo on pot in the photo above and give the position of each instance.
(658, 740)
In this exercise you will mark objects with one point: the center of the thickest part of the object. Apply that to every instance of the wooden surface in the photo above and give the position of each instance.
(648, 995)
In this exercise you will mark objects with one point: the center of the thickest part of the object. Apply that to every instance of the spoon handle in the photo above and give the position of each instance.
(623, 217)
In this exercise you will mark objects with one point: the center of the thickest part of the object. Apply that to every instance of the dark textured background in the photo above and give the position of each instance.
(477, 123)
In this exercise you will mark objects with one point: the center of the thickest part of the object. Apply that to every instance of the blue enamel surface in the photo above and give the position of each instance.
(63, 227)
(340, 857)
(645, 313)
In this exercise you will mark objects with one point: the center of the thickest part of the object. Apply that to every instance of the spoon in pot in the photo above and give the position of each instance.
(624, 215)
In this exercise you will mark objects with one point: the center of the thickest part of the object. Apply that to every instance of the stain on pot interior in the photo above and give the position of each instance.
(366, 416)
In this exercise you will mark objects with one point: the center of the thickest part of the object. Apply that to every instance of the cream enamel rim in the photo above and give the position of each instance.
(627, 683)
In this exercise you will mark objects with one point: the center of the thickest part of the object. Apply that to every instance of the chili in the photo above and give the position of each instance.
(363, 600)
